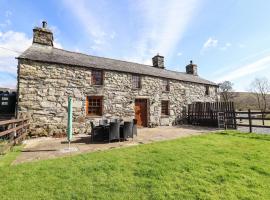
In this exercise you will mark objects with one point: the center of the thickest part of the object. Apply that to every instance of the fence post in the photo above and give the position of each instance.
(263, 118)
(188, 117)
(234, 116)
(250, 121)
(11, 135)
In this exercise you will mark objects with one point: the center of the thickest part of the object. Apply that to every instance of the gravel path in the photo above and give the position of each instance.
(254, 130)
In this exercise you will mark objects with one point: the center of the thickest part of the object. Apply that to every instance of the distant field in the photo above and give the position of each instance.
(246, 100)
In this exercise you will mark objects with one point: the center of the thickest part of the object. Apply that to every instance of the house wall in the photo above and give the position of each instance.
(43, 91)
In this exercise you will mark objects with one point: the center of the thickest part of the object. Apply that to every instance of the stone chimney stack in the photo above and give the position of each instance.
(192, 69)
(43, 35)
(158, 61)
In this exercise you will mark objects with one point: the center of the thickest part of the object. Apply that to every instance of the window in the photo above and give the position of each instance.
(207, 90)
(164, 107)
(165, 85)
(136, 81)
(97, 77)
(94, 105)
(4, 103)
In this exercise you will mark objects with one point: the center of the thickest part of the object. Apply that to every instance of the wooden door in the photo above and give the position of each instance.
(141, 112)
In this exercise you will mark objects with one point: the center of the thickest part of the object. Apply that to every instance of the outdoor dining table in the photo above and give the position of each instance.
(115, 129)
(106, 127)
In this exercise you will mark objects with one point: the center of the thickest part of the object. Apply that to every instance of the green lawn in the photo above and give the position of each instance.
(214, 166)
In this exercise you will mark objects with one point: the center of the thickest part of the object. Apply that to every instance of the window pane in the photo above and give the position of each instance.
(165, 85)
(94, 105)
(97, 77)
(136, 81)
(206, 90)
(165, 107)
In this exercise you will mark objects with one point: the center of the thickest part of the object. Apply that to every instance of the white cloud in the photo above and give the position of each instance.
(163, 24)
(226, 46)
(17, 42)
(56, 44)
(248, 69)
(179, 54)
(210, 42)
(6, 23)
(12, 44)
(82, 11)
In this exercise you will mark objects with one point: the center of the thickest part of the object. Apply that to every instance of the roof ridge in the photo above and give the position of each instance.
(102, 57)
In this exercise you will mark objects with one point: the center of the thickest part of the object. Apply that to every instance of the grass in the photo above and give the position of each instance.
(226, 165)
(3, 144)
(6, 160)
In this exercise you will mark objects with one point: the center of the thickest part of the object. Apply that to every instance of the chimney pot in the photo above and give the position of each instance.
(44, 24)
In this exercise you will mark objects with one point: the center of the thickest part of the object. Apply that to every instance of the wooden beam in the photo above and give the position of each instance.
(12, 121)
(13, 129)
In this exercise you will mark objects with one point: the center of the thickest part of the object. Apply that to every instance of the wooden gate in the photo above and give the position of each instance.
(206, 114)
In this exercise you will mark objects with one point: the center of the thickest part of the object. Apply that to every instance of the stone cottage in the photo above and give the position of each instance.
(101, 87)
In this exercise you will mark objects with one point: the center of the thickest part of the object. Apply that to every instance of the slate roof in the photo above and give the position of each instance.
(53, 55)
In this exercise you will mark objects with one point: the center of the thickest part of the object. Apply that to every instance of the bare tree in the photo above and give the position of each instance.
(260, 87)
(226, 91)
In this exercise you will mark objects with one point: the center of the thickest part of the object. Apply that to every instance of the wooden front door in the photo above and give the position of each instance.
(141, 112)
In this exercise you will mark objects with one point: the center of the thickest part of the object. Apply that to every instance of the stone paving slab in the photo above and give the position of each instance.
(48, 147)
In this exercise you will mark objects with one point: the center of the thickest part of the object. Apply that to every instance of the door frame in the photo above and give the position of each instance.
(147, 109)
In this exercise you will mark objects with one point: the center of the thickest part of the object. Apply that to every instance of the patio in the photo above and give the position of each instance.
(48, 147)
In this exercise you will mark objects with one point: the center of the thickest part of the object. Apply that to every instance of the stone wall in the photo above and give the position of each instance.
(43, 91)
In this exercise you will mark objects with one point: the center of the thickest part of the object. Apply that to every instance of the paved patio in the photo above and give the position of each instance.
(48, 147)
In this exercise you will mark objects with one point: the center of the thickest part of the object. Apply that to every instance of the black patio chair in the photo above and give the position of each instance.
(134, 128)
(114, 131)
(128, 130)
(96, 131)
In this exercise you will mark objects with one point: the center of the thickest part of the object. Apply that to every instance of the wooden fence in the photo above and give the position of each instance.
(207, 114)
(250, 116)
(12, 132)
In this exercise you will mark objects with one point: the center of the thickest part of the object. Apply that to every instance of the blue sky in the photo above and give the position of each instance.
(228, 40)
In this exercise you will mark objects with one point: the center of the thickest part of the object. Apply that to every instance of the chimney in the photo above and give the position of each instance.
(43, 35)
(192, 69)
(158, 61)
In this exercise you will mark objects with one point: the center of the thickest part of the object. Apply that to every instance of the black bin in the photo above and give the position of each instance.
(7, 104)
